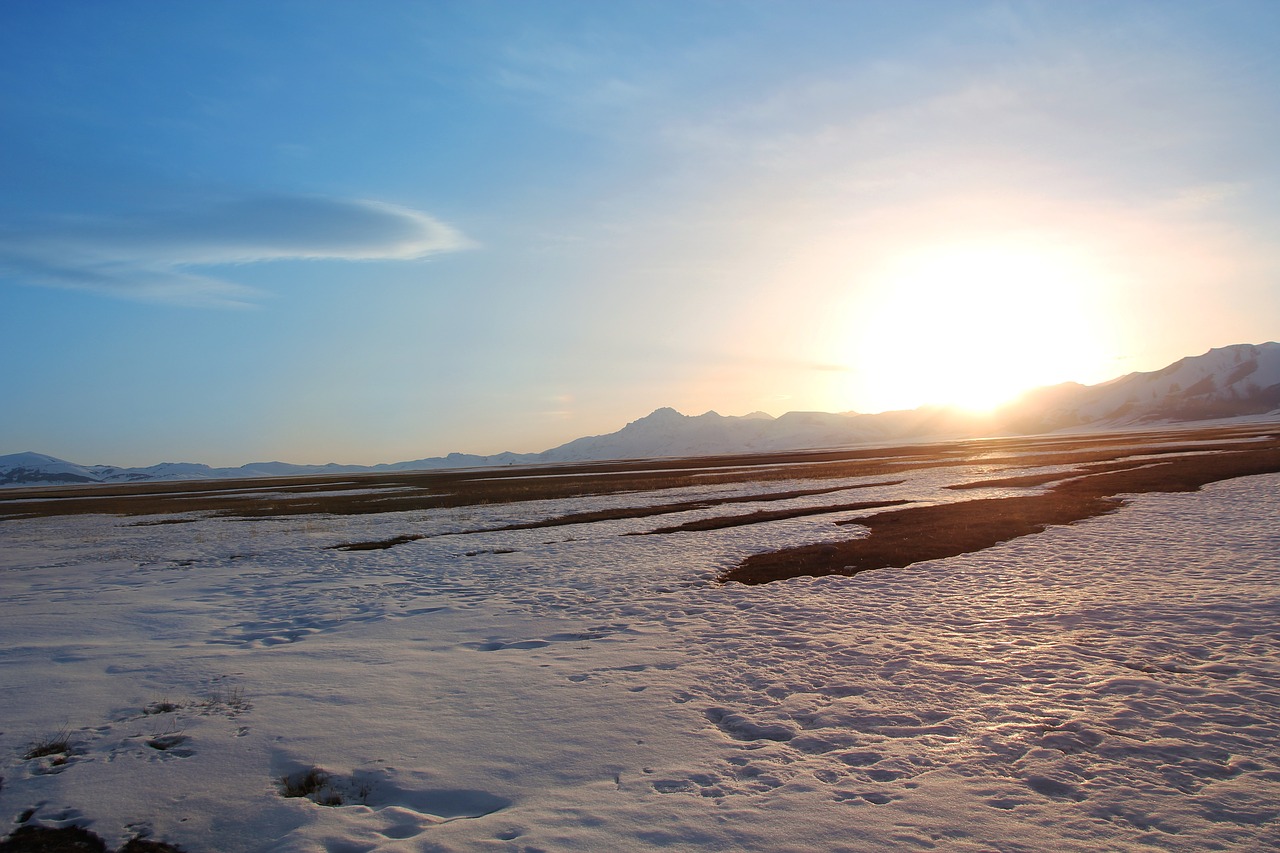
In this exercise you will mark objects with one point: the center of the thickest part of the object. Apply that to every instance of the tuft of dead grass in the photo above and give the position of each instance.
(58, 743)
(314, 783)
(229, 700)
(164, 706)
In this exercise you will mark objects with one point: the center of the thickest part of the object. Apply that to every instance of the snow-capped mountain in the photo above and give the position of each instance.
(668, 433)
(38, 469)
(1243, 379)
(1232, 381)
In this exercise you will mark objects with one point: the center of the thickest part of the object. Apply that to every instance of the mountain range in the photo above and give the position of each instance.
(1227, 382)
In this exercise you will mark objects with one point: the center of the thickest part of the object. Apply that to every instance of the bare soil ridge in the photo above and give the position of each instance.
(913, 535)
(722, 522)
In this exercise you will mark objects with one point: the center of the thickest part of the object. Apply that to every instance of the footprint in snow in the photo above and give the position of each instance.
(171, 744)
(568, 637)
(499, 645)
(857, 798)
(702, 784)
(739, 727)
(1054, 788)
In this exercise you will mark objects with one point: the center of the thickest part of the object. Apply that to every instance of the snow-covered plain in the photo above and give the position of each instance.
(1112, 685)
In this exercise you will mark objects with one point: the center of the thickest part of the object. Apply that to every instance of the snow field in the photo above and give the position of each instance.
(1111, 685)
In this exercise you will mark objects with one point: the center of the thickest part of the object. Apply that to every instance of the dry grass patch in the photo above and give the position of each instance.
(327, 789)
(56, 744)
(315, 784)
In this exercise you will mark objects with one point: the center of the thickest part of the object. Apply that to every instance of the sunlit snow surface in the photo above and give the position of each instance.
(1113, 685)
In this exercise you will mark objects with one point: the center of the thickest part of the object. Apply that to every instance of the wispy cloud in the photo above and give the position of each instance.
(1124, 114)
(1204, 197)
(150, 256)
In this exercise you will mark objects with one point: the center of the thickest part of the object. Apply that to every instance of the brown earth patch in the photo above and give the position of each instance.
(645, 511)
(906, 536)
(375, 544)
(722, 522)
(1028, 480)
(422, 490)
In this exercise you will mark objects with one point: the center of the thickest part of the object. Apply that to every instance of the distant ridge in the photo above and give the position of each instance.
(1226, 382)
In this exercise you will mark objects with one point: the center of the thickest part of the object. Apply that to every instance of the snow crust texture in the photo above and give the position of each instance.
(1113, 685)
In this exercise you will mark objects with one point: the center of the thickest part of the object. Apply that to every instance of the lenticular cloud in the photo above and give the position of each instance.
(148, 256)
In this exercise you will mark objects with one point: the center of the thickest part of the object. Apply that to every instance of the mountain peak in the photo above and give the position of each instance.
(30, 457)
(665, 415)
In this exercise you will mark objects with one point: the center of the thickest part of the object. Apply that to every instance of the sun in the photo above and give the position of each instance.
(972, 326)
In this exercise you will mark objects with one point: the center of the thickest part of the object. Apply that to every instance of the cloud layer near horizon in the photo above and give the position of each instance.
(148, 256)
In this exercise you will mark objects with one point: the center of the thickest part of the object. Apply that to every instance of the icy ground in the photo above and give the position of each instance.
(1114, 685)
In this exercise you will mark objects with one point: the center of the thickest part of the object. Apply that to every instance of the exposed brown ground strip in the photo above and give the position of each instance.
(722, 522)
(375, 544)
(419, 490)
(906, 536)
(645, 511)
(619, 513)
(396, 491)
(1052, 477)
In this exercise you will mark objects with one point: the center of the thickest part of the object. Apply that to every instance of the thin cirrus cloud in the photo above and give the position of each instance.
(151, 257)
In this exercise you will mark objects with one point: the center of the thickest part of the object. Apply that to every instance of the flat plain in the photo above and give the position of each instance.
(1063, 642)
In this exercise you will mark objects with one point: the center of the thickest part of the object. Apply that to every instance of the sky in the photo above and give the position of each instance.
(325, 231)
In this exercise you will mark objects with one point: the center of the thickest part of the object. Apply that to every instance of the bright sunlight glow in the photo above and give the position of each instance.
(973, 326)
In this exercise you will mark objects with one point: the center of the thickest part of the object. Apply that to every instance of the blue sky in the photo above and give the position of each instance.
(323, 231)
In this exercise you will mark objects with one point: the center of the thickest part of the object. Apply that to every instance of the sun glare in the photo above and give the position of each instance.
(972, 327)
